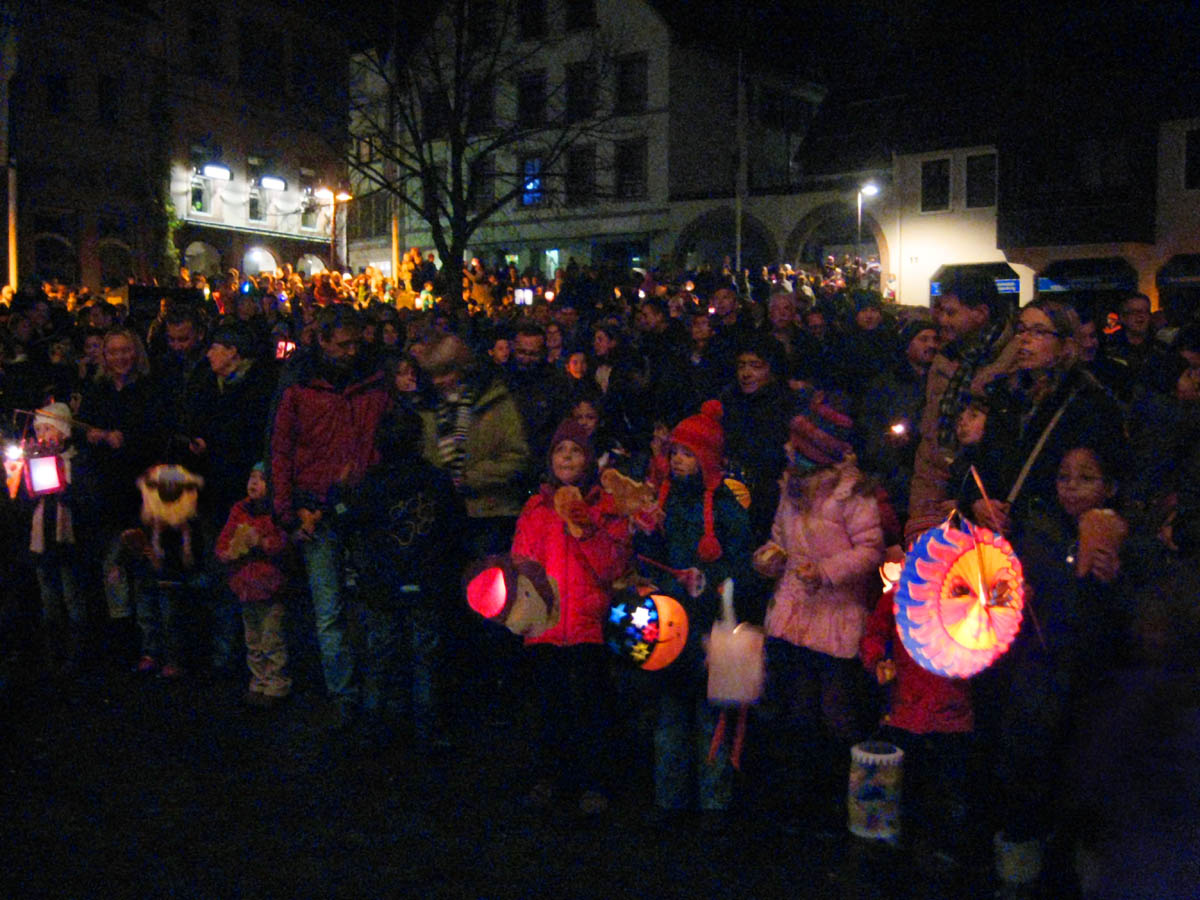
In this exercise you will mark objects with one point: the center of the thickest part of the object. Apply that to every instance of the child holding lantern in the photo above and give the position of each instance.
(704, 539)
(572, 527)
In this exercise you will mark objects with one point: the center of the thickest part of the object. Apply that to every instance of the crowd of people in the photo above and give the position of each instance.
(349, 455)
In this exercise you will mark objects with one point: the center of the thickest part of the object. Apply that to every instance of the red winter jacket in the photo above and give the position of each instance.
(321, 434)
(921, 702)
(255, 577)
(583, 568)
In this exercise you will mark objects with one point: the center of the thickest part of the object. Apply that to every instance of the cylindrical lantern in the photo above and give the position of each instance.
(873, 797)
(646, 627)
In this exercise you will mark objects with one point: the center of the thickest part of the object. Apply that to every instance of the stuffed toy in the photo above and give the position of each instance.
(632, 497)
(169, 495)
(568, 503)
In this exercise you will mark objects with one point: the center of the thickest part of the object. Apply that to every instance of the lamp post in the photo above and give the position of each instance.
(870, 189)
(333, 198)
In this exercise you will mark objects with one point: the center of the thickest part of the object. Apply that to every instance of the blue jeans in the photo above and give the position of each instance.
(322, 560)
(158, 619)
(391, 672)
(682, 736)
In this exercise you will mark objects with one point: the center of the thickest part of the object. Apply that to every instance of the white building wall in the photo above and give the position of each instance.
(1177, 228)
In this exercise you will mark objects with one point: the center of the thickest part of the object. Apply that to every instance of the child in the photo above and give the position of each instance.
(826, 546)
(401, 524)
(52, 543)
(248, 543)
(583, 553)
(587, 410)
(704, 538)
(931, 719)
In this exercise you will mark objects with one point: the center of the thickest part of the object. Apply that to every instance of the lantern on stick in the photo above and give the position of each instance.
(14, 465)
(515, 592)
(647, 628)
(960, 598)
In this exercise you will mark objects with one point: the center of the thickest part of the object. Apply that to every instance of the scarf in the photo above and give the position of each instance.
(454, 415)
(958, 389)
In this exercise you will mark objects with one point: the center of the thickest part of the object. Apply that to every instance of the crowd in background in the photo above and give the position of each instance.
(361, 442)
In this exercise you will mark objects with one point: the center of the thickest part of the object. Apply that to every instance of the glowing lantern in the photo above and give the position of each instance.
(647, 628)
(44, 475)
(515, 592)
(14, 464)
(959, 600)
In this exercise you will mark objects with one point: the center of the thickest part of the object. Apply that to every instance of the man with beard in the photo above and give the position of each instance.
(977, 346)
(323, 434)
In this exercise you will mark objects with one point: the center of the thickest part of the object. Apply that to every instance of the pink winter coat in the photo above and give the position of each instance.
(840, 532)
(583, 568)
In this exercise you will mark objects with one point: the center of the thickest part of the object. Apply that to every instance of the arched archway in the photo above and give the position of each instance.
(833, 228)
(203, 259)
(710, 237)
(55, 257)
(116, 263)
(258, 259)
(309, 264)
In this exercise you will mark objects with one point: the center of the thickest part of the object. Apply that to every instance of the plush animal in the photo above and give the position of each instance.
(568, 503)
(244, 539)
(169, 495)
(632, 497)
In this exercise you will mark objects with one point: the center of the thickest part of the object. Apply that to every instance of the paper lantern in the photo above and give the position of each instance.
(14, 465)
(959, 600)
(648, 628)
(515, 592)
(873, 794)
(44, 475)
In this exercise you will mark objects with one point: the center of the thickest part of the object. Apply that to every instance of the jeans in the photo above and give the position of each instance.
(159, 621)
(322, 560)
(58, 583)
(391, 672)
(683, 734)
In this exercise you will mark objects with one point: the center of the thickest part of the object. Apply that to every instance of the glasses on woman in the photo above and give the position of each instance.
(1037, 331)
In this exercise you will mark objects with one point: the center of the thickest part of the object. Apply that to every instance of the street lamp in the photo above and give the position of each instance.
(870, 189)
(333, 199)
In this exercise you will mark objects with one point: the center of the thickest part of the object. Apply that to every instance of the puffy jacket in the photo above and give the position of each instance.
(322, 434)
(840, 532)
(583, 568)
(921, 702)
(254, 577)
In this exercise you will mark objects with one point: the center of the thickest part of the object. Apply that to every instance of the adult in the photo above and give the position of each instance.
(662, 342)
(323, 433)
(976, 347)
(1049, 404)
(538, 388)
(1133, 343)
(891, 408)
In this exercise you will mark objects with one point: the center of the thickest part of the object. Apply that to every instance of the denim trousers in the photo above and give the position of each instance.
(58, 582)
(683, 732)
(322, 561)
(158, 619)
(395, 672)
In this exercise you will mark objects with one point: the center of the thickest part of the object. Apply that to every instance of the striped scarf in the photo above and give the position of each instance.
(958, 389)
(454, 415)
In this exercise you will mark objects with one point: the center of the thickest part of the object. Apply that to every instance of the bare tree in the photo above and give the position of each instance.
(476, 111)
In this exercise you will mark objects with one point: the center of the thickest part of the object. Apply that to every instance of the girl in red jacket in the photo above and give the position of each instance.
(248, 544)
(584, 545)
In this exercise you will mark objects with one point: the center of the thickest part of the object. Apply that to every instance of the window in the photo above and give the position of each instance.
(310, 207)
(58, 94)
(1191, 161)
(109, 94)
(369, 216)
(581, 92)
(202, 195)
(631, 84)
(981, 180)
(581, 175)
(364, 150)
(531, 99)
(435, 113)
(481, 108)
(531, 19)
(631, 165)
(256, 210)
(531, 181)
(935, 185)
(580, 14)
(481, 189)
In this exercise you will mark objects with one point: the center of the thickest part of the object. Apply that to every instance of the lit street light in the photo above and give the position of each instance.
(333, 199)
(870, 189)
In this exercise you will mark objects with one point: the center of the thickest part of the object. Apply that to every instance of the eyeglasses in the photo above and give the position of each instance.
(1037, 331)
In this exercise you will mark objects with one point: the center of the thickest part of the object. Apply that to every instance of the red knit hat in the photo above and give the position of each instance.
(704, 437)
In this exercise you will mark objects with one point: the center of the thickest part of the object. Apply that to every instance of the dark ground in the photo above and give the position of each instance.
(117, 786)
